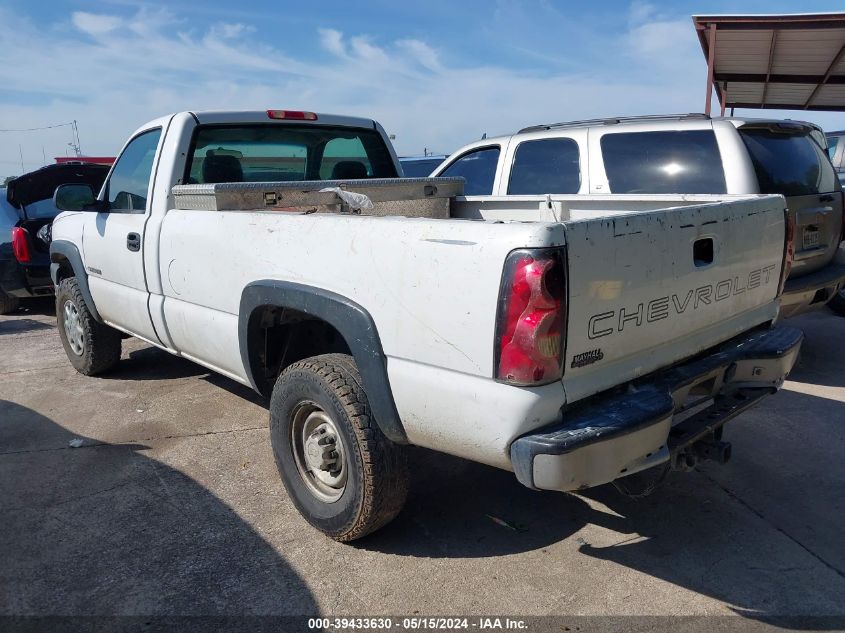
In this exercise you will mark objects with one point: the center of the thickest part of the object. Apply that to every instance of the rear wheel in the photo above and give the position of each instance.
(342, 474)
(91, 347)
(837, 303)
(8, 303)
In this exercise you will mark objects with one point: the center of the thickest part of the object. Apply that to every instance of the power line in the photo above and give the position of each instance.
(46, 127)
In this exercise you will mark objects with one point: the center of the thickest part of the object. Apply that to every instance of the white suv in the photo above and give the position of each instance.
(678, 154)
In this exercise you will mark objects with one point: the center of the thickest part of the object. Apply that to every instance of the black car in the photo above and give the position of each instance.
(26, 213)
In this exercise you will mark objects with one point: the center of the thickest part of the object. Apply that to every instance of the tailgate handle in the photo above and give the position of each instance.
(702, 251)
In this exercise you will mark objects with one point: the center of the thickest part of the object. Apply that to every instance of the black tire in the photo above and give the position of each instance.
(100, 343)
(376, 471)
(837, 303)
(8, 303)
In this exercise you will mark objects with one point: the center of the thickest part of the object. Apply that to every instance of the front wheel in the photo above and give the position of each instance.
(837, 303)
(342, 474)
(91, 347)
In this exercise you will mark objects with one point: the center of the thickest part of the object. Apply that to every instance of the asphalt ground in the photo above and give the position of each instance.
(172, 506)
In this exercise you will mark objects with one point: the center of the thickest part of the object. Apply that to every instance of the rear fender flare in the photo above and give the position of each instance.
(350, 319)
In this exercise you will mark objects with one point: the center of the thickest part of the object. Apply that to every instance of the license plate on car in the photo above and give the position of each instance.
(811, 238)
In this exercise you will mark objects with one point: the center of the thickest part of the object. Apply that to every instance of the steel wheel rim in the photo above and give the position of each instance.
(73, 328)
(318, 452)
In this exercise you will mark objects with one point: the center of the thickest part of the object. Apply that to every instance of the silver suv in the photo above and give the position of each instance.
(679, 154)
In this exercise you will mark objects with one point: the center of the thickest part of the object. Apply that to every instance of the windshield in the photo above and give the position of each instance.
(41, 209)
(272, 153)
(791, 164)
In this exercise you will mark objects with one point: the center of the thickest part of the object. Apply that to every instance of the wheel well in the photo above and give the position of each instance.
(279, 337)
(65, 270)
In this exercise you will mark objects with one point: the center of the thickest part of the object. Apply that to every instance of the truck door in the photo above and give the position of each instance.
(113, 240)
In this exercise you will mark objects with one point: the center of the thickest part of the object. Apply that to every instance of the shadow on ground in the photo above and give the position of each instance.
(37, 306)
(22, 326)
(819, 364)
(108, 530)
(104, 529)
(692, 532)
(152, 363)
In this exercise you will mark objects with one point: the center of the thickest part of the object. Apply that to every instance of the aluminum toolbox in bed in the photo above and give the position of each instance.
(411, 197)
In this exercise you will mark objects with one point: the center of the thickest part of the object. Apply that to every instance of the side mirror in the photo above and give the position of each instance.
(76, 197)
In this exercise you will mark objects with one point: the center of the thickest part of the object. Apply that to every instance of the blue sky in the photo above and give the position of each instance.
(436, 74)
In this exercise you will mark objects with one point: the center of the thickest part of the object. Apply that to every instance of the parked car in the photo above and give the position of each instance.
(679, 154)
(572, 347)
(420, 166)
(26, 212)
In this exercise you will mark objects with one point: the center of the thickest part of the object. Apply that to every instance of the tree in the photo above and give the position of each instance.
(8, 178)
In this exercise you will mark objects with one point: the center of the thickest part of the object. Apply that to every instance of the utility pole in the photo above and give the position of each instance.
(74, 138)
(78, 144)
(20, 150)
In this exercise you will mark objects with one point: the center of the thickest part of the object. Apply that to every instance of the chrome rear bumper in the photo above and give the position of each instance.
(808, 291)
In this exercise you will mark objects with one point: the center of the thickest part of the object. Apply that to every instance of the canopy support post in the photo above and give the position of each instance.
(711, 59)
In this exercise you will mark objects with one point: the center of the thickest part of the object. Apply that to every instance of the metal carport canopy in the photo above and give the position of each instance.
(785, 62)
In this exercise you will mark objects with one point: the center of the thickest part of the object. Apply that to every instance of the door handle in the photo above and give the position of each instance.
(133, 242)
(826, 198)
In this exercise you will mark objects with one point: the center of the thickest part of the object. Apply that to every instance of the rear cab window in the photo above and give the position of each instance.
(545, 166)
(282, 152)
(788, 161)
(677, 161)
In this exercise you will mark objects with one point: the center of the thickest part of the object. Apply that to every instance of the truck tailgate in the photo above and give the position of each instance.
(647, 289)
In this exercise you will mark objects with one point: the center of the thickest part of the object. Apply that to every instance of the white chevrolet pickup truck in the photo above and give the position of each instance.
(572, 340)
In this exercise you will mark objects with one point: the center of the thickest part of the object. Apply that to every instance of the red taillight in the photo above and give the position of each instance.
(532, 307)
(788, 250)
(20, 245)
(294, 115)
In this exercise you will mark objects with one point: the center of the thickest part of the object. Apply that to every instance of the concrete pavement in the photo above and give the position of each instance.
(172, 505)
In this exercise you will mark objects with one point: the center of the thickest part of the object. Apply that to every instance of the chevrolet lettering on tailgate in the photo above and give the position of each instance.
(606, 323)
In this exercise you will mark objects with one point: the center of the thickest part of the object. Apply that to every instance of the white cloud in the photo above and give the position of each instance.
(368, 52)
(640, 12)
(422, 52)
(665, 39)
(332, 41)
(96, 24)
(230, 31)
